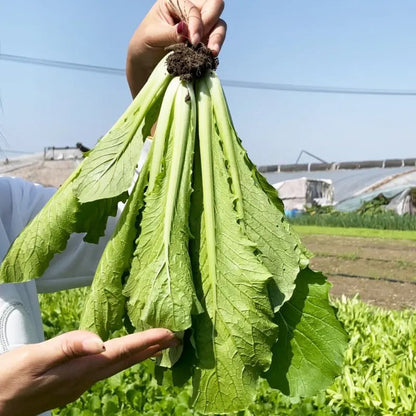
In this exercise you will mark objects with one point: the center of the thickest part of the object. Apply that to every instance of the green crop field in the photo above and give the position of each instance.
(355, 232)
(378, 378)
(370, 217)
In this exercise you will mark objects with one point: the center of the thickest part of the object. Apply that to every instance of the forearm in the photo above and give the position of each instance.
(137, 71)
(144, 51)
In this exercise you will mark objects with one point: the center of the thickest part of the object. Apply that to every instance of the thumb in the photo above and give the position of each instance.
(182, 31)
(167, 35)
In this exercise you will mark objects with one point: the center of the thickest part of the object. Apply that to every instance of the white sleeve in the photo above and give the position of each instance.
(20, 319)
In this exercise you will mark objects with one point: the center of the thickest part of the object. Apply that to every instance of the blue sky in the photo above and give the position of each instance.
(348, 44)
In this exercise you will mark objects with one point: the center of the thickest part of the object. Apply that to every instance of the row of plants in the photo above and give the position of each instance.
(378, 378)
(370, 215)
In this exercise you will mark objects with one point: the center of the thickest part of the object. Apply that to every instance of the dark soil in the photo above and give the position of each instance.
(190, 62)
(381, 272)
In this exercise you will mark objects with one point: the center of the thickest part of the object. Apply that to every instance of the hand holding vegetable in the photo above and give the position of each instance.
(202, 246)
(52, 373)
(169, 22)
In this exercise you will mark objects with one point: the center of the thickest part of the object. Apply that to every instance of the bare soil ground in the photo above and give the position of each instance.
(381, 272)
(35, 169)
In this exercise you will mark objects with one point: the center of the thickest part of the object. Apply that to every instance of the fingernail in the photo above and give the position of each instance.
(180, 29)
(215, 49)
(195, 39)
(93, 345)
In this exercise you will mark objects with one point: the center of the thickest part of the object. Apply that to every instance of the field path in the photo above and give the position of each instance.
(381, 271)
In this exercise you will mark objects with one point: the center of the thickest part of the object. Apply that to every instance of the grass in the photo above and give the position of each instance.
(379, 375)
(342, 256)
(378, 378)
(355, 232)
(370, 217)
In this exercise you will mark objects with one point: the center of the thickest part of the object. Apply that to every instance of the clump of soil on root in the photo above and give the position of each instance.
(190, 62)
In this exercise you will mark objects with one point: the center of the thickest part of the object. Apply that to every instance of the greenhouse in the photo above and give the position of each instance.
(353, 182)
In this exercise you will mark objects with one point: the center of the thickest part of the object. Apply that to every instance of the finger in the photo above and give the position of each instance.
(217, 36)
(186, 11)
(120, 353)
(166, 34)
(126, 351)
(195, 26)
(182, 31)
(119, 348)
(109, 368)
(210, 14)
(65, 347)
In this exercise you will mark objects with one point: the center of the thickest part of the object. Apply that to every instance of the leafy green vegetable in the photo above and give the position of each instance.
(202, 247)
(160, 286)
(234, 336)
(91, 194)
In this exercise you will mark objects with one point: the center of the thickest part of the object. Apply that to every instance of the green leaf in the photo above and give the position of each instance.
(182, 370)
(261, 210)
(92, 217)
(160, 287)
(234, 336)
(47, 234)
(309, 352)
(105, 305)
(109, 168)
